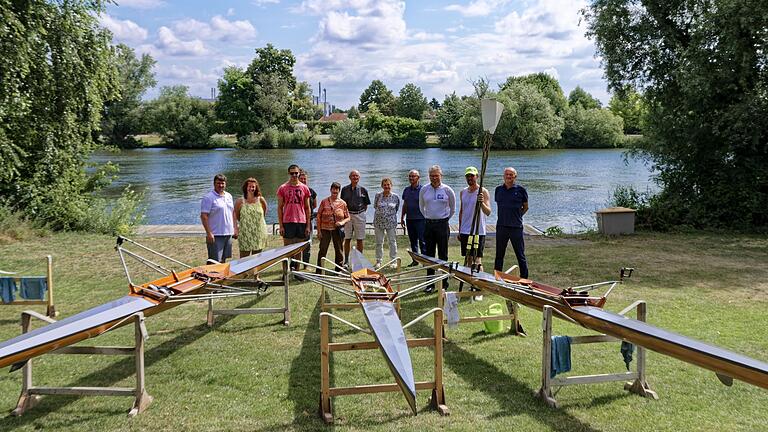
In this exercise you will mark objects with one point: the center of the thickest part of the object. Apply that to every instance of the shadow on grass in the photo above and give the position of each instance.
(513, 396)
(109, 375)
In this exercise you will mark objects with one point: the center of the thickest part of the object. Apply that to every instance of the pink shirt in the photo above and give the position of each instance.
(293, 202)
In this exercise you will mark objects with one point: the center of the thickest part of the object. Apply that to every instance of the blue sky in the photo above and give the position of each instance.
(345, 44)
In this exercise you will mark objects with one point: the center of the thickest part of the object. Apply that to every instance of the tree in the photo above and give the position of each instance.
(379, 94)
(434, 104)
(56, 73)
(582, 98)
(121, 116)
(302, 107)
(592, 128)
(544, 83)
(270, 61)
(234, 105)
(182, 120)
(631, 107)
(702, 68)
(353, 113)
(411, 103)
(528, 120)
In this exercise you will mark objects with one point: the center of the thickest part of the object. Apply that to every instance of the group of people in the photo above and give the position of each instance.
(425, 211)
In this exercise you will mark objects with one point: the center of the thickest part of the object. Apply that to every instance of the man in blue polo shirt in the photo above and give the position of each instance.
(411, 216)
(512, 202)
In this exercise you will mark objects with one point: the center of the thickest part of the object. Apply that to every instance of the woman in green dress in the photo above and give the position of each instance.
(250, 223)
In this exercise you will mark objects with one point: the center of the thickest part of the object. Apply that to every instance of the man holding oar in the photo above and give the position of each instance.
(472, 239)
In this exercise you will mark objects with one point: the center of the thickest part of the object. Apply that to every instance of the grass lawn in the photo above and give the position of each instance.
(250, 373)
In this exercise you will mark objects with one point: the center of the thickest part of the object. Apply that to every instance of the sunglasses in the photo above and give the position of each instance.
(293, 173)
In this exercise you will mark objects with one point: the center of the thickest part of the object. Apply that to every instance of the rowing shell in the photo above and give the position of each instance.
(586, 313)
(149, 298)
(377, 299)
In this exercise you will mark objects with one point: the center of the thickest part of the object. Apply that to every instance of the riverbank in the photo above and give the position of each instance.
(250, 373)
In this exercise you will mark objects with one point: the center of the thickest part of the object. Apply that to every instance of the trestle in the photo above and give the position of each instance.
(637, 382)
(30, 393)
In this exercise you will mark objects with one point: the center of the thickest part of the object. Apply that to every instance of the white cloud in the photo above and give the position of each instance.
(364, 23)
(169, 44)
(477, 7)
(263, 3)
(141, 4)
(219, 28)
(123, 30)
(230, 11)
(424, 36)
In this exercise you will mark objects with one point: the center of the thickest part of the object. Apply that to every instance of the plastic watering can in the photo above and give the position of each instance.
(492, 327)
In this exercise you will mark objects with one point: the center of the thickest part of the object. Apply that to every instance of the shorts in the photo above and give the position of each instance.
(220, 249)
(355, 228)
(464, 239)
(294, 230)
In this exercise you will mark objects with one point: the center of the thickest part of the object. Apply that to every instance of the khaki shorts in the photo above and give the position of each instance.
(355, 228)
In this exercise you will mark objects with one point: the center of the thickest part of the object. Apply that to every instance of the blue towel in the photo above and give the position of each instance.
(33, 288)
(7, 289)
(561, 355)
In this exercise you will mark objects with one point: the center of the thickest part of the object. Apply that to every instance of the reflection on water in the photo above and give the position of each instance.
(565, 187)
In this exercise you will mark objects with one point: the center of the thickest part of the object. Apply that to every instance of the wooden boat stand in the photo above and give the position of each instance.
(30, 394)
(512, 307)
(639, 385)
(327, 347)
(285, 310)
(50, 307)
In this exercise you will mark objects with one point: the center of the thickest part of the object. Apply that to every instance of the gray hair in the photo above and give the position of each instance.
(414, 171)
(436, 168)
(510, 169)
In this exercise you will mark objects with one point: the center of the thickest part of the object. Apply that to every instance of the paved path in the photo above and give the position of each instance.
(197, 230)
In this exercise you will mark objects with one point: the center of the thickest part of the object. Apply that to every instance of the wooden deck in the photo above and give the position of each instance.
(197, 230)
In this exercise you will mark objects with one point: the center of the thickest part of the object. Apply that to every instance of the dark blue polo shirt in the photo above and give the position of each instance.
(411, 202)
(510, 203)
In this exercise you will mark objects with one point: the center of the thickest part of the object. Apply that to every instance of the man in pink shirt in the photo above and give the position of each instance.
(293, 208)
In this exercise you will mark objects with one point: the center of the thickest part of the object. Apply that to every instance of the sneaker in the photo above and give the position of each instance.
(430, 289)
(393, 266)
(477, 298)
(378, 264)
(413, 264)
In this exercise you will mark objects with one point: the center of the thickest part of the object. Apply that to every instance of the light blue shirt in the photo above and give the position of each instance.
(437, 202)
(219, 209)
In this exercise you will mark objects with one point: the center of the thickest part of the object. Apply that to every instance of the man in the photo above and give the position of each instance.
(411, 217)
(512, 201)
(437, 203)
(304, 178)
(357, 201)
(473, 246)
(216, 210)
(293, 210)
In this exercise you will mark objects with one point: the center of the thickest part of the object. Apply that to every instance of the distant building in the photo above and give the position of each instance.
(334, 117)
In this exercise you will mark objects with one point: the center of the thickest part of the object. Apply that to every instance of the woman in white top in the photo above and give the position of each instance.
(386, 205)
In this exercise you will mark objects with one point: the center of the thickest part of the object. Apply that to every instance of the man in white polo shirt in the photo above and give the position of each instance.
(216, 210)
(437, 202)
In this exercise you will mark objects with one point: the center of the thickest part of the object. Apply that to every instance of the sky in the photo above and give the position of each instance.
(441, 46)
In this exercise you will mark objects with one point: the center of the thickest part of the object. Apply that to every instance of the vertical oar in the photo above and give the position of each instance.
(490, 111)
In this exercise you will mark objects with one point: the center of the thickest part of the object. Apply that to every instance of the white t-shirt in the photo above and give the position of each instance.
(468, 202)
(219, 209)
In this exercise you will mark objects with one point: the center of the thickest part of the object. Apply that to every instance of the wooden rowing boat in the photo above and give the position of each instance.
(377, 298)
(588, 312)
(149, 298)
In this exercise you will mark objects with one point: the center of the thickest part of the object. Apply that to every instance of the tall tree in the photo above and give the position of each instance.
(302, 107)
(379, 94)
(121, 115)
(182, 120)
(702, 67)
(582, 98)
(270, 61)
(631, 107)
(234, 105)
(56, 72)
(546, 84)
(434, 104)
(411, 103)
(528, 120)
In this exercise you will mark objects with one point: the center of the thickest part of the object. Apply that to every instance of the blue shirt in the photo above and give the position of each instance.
(510, 203)
(411, 203)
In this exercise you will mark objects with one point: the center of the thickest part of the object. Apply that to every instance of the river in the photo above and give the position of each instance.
(565, 187)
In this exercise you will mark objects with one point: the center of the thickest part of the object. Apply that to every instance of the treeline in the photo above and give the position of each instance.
(265, 106)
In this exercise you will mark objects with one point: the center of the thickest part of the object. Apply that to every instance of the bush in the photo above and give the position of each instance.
(592, 128)
(380, 139)
(350, 134)
(405, 132)
(219, 141)
(14, 227)
(273, 138)
(118, 217)
(651, 214)
(319, 127)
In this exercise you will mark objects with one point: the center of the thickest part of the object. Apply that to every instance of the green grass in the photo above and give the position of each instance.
(250, 373)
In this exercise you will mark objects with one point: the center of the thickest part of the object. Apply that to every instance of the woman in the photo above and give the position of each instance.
(332, 215)
(250, 225)
(386, 204)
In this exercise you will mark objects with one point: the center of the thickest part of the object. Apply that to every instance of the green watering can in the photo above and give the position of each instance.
(493, 327)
